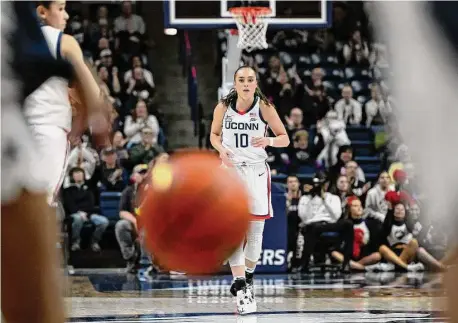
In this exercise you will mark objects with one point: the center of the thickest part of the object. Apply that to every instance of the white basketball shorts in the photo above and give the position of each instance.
(257, 180)
(20, 167)
(53, 148)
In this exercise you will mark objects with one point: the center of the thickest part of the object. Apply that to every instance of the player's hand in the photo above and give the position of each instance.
(226, 157)
(74, 139)
(260, 142)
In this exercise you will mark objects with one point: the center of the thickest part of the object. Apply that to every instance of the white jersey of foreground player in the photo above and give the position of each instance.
(49, 104)
(49, 115)
(237, 131)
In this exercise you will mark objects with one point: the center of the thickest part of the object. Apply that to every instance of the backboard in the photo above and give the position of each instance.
(211, 14)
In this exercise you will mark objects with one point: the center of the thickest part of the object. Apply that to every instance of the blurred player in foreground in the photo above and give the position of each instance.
(31, 284)
(238, 132)
(424, 85)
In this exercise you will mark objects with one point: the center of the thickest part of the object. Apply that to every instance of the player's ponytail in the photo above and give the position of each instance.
(262, 96)
(230, 97)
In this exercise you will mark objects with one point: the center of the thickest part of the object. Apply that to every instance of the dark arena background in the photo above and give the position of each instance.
(328, 69)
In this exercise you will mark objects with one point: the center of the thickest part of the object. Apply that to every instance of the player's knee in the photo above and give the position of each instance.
(253, 246)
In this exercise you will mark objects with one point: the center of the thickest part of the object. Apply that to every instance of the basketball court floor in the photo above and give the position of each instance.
(111, 296)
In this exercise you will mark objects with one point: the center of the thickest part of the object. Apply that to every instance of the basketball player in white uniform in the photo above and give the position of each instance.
(238, 132)
(48, 109)
(31, 289)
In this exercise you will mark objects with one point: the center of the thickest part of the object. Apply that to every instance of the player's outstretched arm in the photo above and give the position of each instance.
(270, 115)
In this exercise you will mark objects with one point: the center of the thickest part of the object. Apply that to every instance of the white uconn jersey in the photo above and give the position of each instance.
(49, 104)
(239, 129)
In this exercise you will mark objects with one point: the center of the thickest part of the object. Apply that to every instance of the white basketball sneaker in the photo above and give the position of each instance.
(246, 303)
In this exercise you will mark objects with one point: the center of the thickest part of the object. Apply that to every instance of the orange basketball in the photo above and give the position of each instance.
(195, 213)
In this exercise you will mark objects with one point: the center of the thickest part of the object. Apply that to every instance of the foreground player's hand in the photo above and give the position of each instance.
(226, 156)
(74, 138)
(260, 142)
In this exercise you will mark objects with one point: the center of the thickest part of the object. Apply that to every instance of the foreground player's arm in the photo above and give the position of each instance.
(31, 285)
(270, 115)
(85, 81)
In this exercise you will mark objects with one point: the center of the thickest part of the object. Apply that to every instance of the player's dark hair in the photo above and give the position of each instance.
(45, 4)
(232, 95)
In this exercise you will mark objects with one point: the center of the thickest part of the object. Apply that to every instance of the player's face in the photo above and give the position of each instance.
(356, 210)
(245, 83)
(54, 16)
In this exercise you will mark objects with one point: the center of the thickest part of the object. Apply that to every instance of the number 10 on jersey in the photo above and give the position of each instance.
(241, 140)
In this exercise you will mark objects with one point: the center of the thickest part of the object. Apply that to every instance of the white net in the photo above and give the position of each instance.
(252, 25)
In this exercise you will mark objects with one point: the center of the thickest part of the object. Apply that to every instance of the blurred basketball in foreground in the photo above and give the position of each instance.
(195, 213)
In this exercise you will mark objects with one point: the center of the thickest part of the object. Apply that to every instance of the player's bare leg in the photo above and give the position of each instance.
(31, 284)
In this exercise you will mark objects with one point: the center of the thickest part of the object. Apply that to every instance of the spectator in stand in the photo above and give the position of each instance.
(318, 105)
(342, 190)
(300, 154)
(140, 119)
(111, 172)
(138, 86)
(292, 195)
(106, 59)
(137, 62)
(100, 31)
(348, 109)
(377, 112)
(79, 203)
(112, 83)
(316, 80)
(119, 144)
(400, 248)
(344, 155)
(331, 135)
(117, 123)
(130, 30)
(376, 206)
(82, 156)
(356, 51)
(320, 212)
(357, 187)
(126, 229)
(274, 78)
(146, 150)
(365, 238)
(294, 122)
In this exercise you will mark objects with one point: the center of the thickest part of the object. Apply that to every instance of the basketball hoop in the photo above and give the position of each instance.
(252, 25)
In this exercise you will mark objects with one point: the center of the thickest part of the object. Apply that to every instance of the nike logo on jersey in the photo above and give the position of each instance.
(261, 174)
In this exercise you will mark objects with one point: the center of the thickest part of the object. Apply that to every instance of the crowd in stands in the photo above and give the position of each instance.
(115, 43)
(330, 86)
